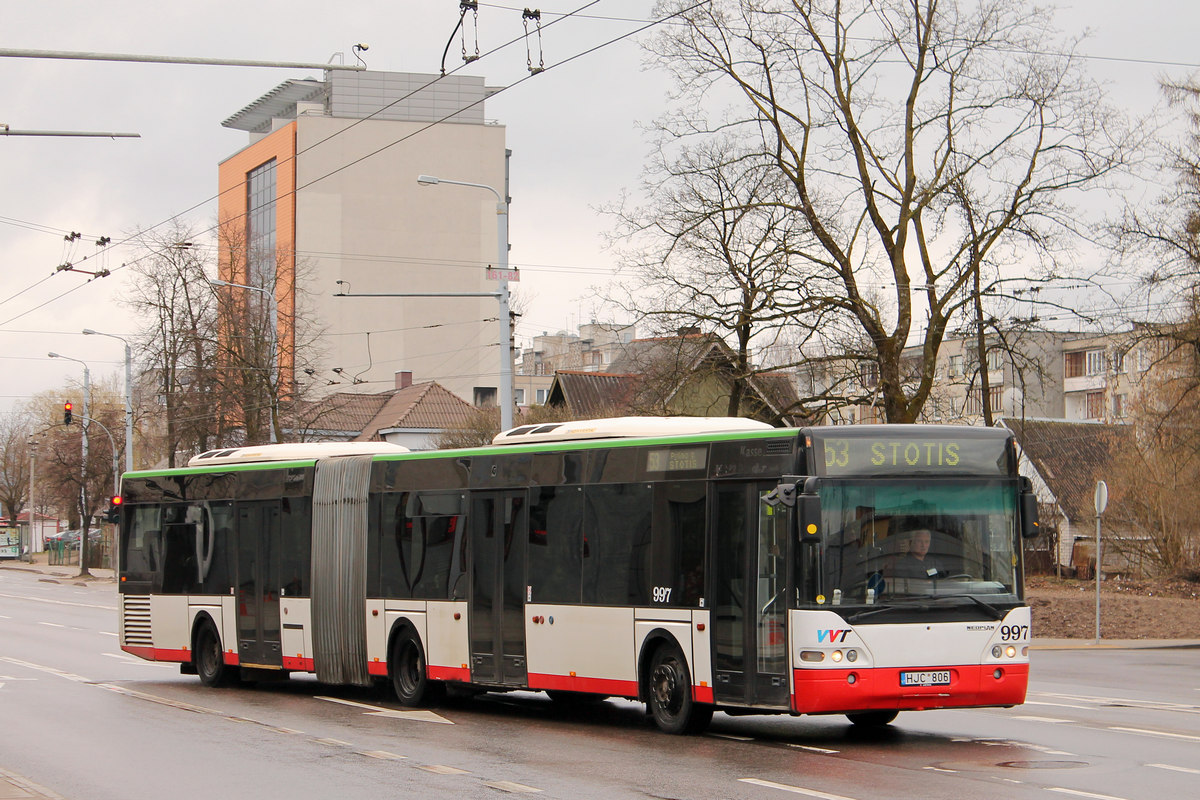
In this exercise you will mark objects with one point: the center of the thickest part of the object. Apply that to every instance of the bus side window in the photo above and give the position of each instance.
(140, 545)
(616, 528)
(556, 544)
(677, 545)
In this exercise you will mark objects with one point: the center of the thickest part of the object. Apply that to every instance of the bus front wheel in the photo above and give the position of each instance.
(409, 676)
(669, 694)
(210, 660)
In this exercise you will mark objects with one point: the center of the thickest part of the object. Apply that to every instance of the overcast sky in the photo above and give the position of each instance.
(573, 131)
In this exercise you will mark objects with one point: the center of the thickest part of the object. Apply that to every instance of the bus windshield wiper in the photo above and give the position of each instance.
(879, 609)
(991, 610)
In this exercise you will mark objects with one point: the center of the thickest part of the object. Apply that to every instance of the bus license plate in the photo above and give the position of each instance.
(928, 677)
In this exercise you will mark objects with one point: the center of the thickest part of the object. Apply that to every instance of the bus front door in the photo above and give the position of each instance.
(258, 584)
(749, 599)
(497, 601)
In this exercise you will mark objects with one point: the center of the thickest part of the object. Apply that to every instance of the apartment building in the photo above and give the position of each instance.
(323, 204)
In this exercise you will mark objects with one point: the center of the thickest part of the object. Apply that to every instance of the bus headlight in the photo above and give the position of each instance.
(996, 651)
(852, 656)
(1010, 651)
(837, 656)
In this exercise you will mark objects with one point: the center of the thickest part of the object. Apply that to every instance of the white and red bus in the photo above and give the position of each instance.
(693, 564)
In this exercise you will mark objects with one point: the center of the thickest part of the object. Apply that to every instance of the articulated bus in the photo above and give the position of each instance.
(691, 564)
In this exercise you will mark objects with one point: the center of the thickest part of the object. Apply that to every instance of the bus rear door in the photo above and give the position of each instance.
(498, 533)
(258, 584)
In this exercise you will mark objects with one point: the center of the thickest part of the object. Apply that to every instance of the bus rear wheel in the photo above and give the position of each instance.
(872, 719)
(410, 680)
(669, 694)
(208, 657)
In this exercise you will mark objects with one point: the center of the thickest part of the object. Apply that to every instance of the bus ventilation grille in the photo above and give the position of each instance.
(777, 447)
(136, 621)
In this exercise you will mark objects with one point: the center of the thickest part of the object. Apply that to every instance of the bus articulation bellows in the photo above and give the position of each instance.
(692, 564)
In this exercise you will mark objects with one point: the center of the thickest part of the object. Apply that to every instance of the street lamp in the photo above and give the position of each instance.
(87, 396)
(273, 307)
(128, 394)
(506, 380)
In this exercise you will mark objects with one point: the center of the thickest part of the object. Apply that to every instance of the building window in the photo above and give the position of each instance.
(1118, 362)
(1095, 405)
(956, 366)
(1073, 364)
(995, 359)
(519, 396)
(485, 396)
(1119, 405)
(974, 404)
(869, 372)
(541, 396)
(1095, 362)
(260, 225)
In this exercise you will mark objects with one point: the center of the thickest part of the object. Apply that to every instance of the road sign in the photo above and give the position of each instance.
(494, 274)
(1101, 498)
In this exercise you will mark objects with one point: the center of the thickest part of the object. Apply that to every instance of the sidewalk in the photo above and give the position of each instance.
(41, 564)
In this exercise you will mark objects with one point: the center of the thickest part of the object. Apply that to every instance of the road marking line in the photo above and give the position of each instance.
(1173, 768)
(941, 769)
(1078, 793)
(731, 737)
(1031, 718)
(794, 789)
(1157, 733)
(25, 784)
(57, 602)
(442, 769)
(1058, 705)
(419, 715)
(38, 667)
(383, 755)
(332, 742)
(824, 750)
(509, 786)
(52, 625)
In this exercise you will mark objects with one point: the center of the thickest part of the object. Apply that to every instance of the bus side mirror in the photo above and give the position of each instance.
(1030, 525)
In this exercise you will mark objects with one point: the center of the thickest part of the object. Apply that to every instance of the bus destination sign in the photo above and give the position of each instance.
(866, 455)
(677, 459)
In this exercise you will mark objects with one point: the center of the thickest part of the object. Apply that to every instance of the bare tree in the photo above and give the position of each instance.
(15, 429)
(713, 250)
(177, 340)
(924, 144)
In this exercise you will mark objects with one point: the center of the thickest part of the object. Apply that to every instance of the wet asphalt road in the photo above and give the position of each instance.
(86, 721)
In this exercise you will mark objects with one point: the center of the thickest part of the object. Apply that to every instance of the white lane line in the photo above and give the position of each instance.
(783, 787)
(509, 786)
(1058, 705)
(1164, 734)
(941, 769)
(823, 750)
(52, 625)
(40, 668)
(1032, 718)
(382, 755)
(377, 711)
(731, 737)
(1078, 793)
(57, 602)
(1173, 768)
(442, 769)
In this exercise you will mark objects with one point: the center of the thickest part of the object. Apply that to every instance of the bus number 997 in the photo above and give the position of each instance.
(662, 594)
(1014, 633)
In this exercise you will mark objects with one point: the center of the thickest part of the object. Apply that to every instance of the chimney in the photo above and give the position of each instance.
(403, 380)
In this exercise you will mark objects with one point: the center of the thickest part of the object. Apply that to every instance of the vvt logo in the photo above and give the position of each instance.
(833, 637)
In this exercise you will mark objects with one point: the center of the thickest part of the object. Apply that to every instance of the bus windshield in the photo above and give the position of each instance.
(890, 540)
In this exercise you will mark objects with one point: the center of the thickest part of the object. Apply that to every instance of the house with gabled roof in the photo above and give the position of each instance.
(690, 374)
(413, 415)
(1064, 460)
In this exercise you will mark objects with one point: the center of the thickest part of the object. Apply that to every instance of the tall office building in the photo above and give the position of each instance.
(324, 200)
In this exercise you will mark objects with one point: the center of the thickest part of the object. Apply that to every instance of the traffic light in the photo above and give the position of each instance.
(67, 413)
(113, 512)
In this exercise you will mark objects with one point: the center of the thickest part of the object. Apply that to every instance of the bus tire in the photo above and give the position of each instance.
(669, 693)
(410, 679)
(872, 719)
(209, 658)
